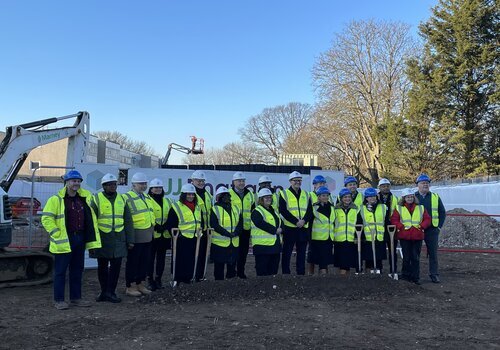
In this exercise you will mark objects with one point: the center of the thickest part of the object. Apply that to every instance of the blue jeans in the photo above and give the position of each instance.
(75, 260)
(431, 242)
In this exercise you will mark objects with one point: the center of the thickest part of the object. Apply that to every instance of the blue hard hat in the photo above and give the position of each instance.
(322, 190)
(423, 177)
(344, 192)
(370, 192)
(72, 174)
(350, 179)
(318, 179)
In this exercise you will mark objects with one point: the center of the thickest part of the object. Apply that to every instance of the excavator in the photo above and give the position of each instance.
(197, 147)
(24, 267)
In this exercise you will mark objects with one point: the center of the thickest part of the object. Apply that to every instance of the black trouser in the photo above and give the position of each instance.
(136, 267)
(202, 253)
(219, 271)
(243, 251)
(290, 239)
(159, 248)
(411, 259)
(369, 264)
(108, 272)
(267, 264)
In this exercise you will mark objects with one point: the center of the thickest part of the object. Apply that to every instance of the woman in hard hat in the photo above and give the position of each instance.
(185, 215)
(385, 196)
(411, 219)
(374, 219)
(266, 182)
(323, 230)
(346, 218)
(161, 237)
(318, 181)
(227, 225)
(265, 235)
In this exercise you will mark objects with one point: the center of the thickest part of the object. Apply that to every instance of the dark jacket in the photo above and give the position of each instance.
(259, 222)
(226, 255)
(426, 202)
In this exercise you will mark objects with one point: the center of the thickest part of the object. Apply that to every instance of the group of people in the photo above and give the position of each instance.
(143, 224)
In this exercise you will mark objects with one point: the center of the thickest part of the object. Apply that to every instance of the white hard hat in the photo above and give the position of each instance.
(139, 177)
(407, 192)
(294, 175)
(108, 178)
(188, 188)
(156, 183)
(265, 192)
(264, 178)
(384, 181)
(221, 190)
(239, 176)
(199, 175)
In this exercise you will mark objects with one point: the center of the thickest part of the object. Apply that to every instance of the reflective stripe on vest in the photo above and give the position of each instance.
(110, 216)
(205, 204)
(229, 223)
(323, 227)
(141, 210)
(358, 200)
(409, 220)
(161, 214)
(294, 207)
(345, 225)
(244, 205)
(374, 222)
(189, 221)
(259, 236)
(435, 209)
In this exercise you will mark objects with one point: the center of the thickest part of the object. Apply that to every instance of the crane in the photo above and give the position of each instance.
(193, 150)
(21, 268)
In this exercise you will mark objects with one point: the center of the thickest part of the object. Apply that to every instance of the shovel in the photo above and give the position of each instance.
(175, 235)
(359, 229)
(209, 242)
(392, 231)
(198, 235)
(373, 235)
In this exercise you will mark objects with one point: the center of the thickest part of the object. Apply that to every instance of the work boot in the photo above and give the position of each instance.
(79, 303)
(132, 291)
(152, 284)
(435, 279)
(101, 297)
(142, 289)
(158, 283)
(61, 305)
(113, 298)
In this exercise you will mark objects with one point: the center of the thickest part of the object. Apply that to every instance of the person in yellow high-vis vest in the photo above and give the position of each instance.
(374, 217)
(116, 229)
(323, 230)
(265, 235)
(185, 215)
(136, 267)
(72, 227)
(227, 222)
(385, 196)
(296, 209)
(244, 199)
(204, 200)
(351, 183)
(266, 182)
(161, 237)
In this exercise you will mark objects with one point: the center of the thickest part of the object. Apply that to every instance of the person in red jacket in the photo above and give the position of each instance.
(411, 219)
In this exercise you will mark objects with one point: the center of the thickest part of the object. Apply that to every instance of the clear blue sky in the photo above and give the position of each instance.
(160, 71)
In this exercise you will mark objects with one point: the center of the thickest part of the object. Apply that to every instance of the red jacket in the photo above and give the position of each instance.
(413, 234)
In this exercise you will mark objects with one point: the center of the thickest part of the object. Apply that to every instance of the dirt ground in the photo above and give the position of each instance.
(364, 312)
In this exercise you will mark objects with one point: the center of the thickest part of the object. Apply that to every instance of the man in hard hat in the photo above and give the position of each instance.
(266, 182)
(386, 197)
(318, 181)
(204, 200)
(136, 267)
(244, 199)
(116, 229)
(434, 206)
(72, 226)
(161, 237)
(351, 183)
(296, 209)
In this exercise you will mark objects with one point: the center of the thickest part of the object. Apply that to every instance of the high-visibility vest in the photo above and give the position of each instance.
(294, 207)
(161, 214)
(435, 209)
(229, 223)
(374, 221)
(189, 221)
(345, 225)
(205, 205)
(53, 220)
(414, 219)
(261, 237)
(141, 210)
(110, 216)
(358, 200)
(323, 227)
(244, 205)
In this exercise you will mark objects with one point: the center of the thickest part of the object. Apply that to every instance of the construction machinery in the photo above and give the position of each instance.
(23, 267)
(197, 147)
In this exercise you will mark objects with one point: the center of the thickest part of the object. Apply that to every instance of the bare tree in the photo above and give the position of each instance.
(232, 153)
(269, 130)
(362, 88)
(126, 142)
